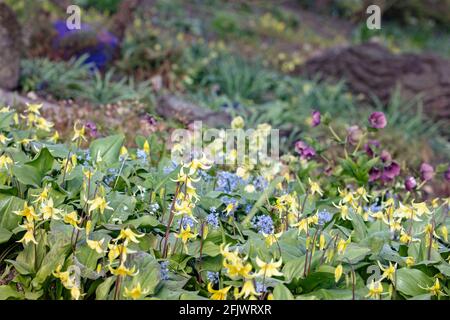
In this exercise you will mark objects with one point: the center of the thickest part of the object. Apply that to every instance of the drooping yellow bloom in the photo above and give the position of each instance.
(146, 147)
(96, 245)
(203, 163)
(55, 137)
(421, 208)
(375, 290)
(29, 234)
(78, 133)
(344, 211)
(227, 254)
(388, 272)
(248, 289)
(34, 108)
(69, 163)
(5, 161)
(128, 235)
(135, 293)
(338, 272)
(186, 234)
(4, 139)
(116, 250)
(43, 195)
(410, 261)
(322, 242)
(72, 219)
(272, 238)
(342, 245)
(269, 269)
(49, 211)
(315, 187)
(28, 212)
(220, 294)
(123, 271)
(99, 203)
(444, 232)
(43, 124)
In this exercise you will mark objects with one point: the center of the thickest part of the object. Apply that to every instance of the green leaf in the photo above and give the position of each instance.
(5, 235)
(107, 148)
(54, 257)
(280, 292)
(5, 120)
(412, 281)
(27, 175)
(8, 219)
(43, 162)
(8, 291)
(102, 291)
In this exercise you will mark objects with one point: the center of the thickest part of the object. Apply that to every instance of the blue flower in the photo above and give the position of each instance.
(187, 221)
(213, 277)
(260, 287)
(228, 182)
(141, 155)
(260, 183)
(264, 224)
(170, 168)
(212, 219)
(324, 217)
(164, 270)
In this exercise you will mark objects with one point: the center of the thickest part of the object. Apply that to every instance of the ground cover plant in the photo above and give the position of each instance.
(100, 200)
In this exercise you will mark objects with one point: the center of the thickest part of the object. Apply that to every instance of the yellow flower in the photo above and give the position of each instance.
(272, 238)
(43, 124)
(75, 292)
(444, 232)
(146, 147)
(342, 245)
(115, 250)
(186, 234)
(41, 197)
(55, 137)
(96, 245)
(421, 208)
(237, 123)
(410, 261)
(203, 163)
(5, 161)
(388, 272)
(269, 269)
(344, 211)
(435, 290)
(220, 294)
(72, 219)
(230, 256)
(128, 235)
(315, 187)
(27, 212)
(135, 293)
(49, 211)
(375, 290)
(99, 203)
(79, 134)
(29, 234)
(322, 242)
(338, 272)
(3, 139)
(248, 289)
(123, 271)
(34, 108)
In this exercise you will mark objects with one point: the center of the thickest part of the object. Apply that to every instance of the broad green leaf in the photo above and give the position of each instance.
(412, 282)
(5, 235)
(102, 291)
(280, 292)
(8, 204)
(108, 149)
(7, 292)
(43, 162)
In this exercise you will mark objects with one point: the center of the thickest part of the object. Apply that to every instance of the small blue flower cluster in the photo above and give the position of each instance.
(213, 277)
(212, 218)
(228, 182)
(111, 177)
(141, 155)
(164, 270)
(260, 183)
(264, 224)
(187, 221)
(170, 168)
(324, 217)
(260, 287)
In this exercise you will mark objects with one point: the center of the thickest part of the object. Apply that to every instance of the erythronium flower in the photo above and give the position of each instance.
(426, 171)
(435, 290)
(72, 219)
(375, 290)
(338, 273)
(388, 272)
(123, 271)
(29, 234)
(128, 235)
(377, 120)
(269, 269)
(99, 203)
(27, 212)
(79, 133)
(96, 245)
(135, 293)
(248, 289)
(49, 211)
(315, 187)
(220, 294)
(315, 121)
(186, 234)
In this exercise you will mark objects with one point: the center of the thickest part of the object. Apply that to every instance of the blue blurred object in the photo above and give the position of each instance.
(99, 46)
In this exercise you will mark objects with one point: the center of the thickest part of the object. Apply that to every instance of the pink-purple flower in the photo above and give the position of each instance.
(447, 174)
(377, 120)
(410, 183)
(354, 134)
(426, 171)
(304, 150)
(315, 118)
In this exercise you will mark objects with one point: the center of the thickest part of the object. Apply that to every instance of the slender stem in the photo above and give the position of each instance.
(169, 222)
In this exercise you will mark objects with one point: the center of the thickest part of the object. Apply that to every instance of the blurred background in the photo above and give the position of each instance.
(142, 65)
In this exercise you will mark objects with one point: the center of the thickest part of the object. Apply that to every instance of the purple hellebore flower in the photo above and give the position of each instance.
(374, 174)
(426, 171)
(410, 183)
(92, 129)
(447, 174)
(304, 150)
(315, 118)
(354, 134)
(150, 120)
(377, 120)
(390, 172)
(368, 147)
(385, 156)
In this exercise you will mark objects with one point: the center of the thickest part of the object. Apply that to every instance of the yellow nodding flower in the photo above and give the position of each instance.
(34, 108)
(135, 293)
(315, 187)
(123, 271)
(28, 212)
(5, 161)
(186, 234)
(72, 219)
(444, 232)
(43, 195)
(421, 208)
(99, 203)
(388, 272)
(272, 238)
(435, 290)
(4, 139)
(375, 290)
(342, 245)
(248, 289)
(410, 261)
(123, 151)
(49, 211)
(55, 137)
(269, 269)
(338, 272)
(344, 211)
(78, 134)
(97, 246)
(128, 235)
(220, 294)
(322, 242)
(146, 147)
(29, 234)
